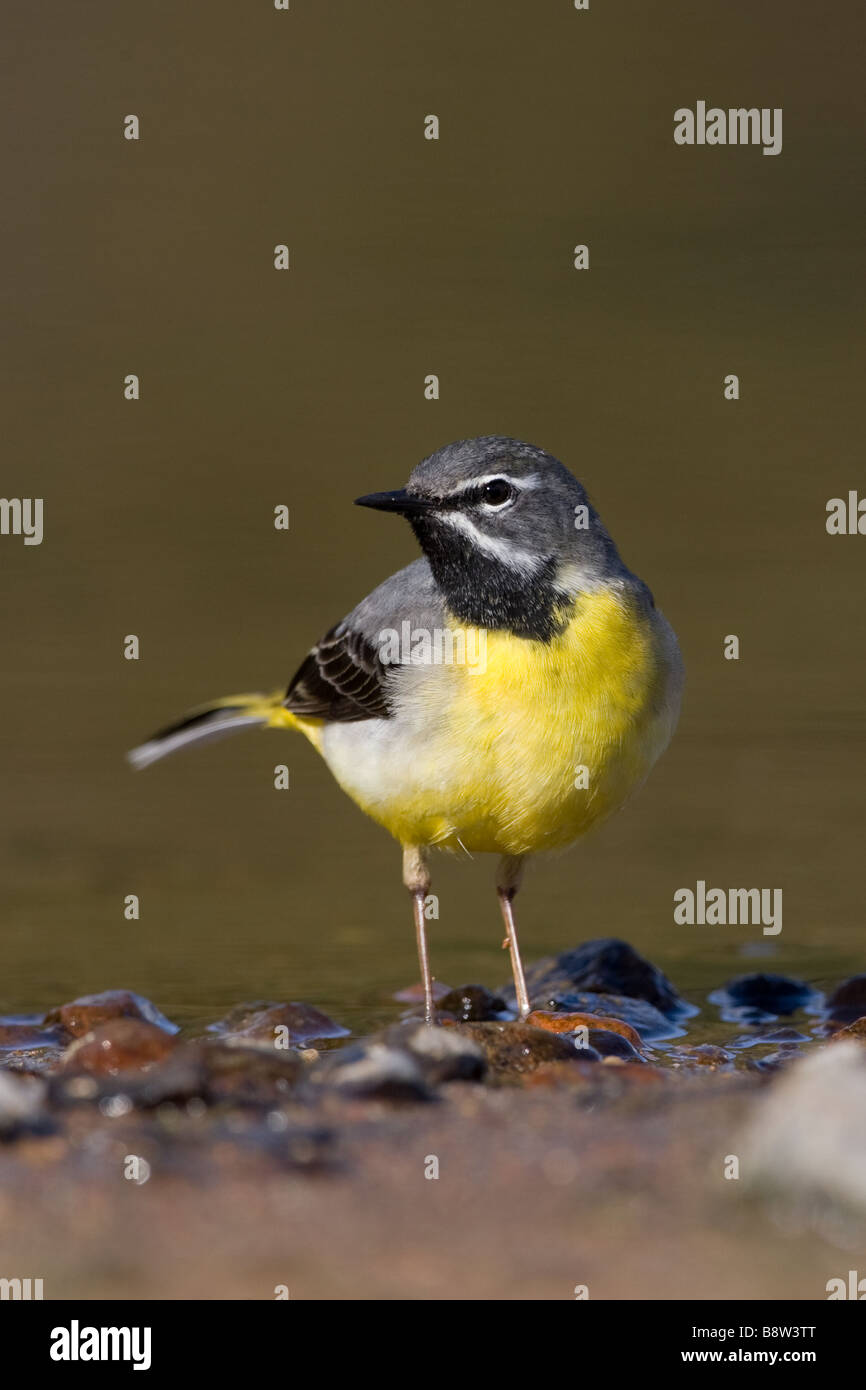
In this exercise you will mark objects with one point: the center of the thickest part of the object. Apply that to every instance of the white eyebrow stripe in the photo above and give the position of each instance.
(502, 550)
(522, 484)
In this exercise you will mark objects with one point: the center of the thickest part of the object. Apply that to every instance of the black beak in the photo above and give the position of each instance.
(400, 501)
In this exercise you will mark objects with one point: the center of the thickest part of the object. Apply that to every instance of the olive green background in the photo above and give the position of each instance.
(306, 388)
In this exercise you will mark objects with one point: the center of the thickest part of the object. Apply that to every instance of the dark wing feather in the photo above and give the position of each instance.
(341, 680)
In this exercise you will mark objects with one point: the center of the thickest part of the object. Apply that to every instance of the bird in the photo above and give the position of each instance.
(505, 693)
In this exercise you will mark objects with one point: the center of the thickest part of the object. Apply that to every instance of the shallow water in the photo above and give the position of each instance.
(307, 389)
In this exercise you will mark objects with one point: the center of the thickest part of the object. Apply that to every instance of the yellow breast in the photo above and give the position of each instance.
(529, 747)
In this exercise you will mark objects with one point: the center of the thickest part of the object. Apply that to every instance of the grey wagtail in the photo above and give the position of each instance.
(503, 694)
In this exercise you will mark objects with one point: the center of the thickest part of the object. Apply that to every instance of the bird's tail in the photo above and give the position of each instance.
(214, 721)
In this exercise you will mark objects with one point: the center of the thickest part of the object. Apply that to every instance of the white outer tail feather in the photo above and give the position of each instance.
(222, 722)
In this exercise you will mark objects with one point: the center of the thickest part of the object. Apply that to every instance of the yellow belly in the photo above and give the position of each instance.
(531, 751)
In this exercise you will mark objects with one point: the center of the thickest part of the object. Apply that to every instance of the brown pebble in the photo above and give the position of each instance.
(471, 1004)
(271, 1025)
(855, 1030)
(122, 1044)
(569, 1023)
(81, 1015)
(512, 1049)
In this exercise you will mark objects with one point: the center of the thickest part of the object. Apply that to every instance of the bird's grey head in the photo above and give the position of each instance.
(509, 533)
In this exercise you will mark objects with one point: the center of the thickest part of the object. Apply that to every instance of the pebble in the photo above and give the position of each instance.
(604, 967)
(472, 1004)
(569, 1023)
(512, 1050)
(705, 1055)
(374, 1070)
(123, 1044)
(444, 1053)
(644, 1018)
(761, 998)
(265, 1024)
(84, 1014)
(855, 1031)
(848, 1001)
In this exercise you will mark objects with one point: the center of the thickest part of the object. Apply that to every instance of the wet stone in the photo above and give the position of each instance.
(784, 1035)
(195, 1071)
(178, 1079)
(609, 1044)
(705, 1055)
(123, 1044)
(761, 998)
(374, 1070)
(856, 1031)
(249, 1075)
(646, 1020)
(514, 1049)
(264, 1024)
(570, 1023)
(604, 967)
(86, 1013)
(442, 1052)
(472, 1004)
(847, 1003)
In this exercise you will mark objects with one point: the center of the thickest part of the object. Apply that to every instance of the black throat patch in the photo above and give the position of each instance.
(481, 591)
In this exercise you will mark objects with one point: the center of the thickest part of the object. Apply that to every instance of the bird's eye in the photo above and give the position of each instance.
(497, 492)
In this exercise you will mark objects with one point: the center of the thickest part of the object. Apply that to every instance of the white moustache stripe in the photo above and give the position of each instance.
(502, 550)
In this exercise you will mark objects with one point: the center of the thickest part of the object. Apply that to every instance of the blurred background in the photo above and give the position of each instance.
(306, 388)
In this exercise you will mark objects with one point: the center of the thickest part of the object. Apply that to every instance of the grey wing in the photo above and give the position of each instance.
(343, 678)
